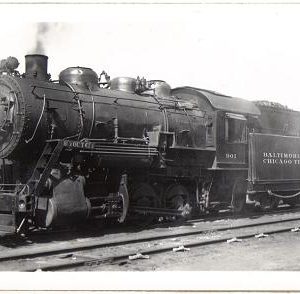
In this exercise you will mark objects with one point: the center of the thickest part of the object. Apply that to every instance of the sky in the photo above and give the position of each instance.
(251, 51)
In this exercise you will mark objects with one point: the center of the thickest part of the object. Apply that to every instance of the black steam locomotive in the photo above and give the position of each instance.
(87, 147)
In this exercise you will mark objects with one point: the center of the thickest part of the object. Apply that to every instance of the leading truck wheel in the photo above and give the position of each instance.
(238, 198)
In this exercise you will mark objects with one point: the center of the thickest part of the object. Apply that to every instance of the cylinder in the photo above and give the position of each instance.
(67, 204)
(36, 66)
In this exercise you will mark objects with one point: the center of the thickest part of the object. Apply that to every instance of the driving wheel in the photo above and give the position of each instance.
(143, 195)
(177, 197)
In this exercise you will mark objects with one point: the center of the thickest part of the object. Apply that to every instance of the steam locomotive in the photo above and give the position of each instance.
(91, 147)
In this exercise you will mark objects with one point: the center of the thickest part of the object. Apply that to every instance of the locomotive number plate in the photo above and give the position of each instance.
(78, 144)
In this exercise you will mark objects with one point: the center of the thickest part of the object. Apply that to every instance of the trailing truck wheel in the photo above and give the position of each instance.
(177, 197)
(238, 198)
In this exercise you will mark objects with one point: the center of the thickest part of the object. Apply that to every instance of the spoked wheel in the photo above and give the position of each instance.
(238, 199)
(292, 202)
(177, 197)
(274, 202)
(143, 195)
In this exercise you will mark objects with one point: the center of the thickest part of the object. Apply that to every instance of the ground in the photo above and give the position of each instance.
(278, 252)
(273, 253)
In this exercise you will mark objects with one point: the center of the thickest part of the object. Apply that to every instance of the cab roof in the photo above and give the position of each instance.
(221, 102)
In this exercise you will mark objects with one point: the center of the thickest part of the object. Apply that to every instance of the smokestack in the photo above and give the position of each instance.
(37, 66)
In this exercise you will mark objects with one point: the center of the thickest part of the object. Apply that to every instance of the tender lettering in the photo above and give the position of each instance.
(281, 155)
(281, 158)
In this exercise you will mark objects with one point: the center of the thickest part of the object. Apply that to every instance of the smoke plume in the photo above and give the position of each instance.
(41, 35)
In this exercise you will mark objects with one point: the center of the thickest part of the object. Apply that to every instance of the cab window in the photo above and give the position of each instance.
(235, 128)
(209, 131)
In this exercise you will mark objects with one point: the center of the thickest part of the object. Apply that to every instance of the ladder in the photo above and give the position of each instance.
(47, 160)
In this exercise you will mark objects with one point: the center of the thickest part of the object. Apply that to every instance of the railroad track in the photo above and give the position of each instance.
(63, 257)
(12, 240)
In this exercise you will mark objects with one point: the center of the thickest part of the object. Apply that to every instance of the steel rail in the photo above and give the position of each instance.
(100, 244)
(230, 215)
(124, 256)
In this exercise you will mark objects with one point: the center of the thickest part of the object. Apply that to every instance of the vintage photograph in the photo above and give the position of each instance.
(149, 138)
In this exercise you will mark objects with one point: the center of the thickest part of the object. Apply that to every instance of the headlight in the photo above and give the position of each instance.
(22, 205)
